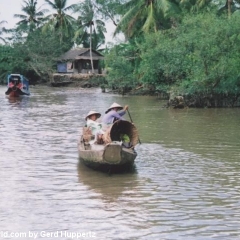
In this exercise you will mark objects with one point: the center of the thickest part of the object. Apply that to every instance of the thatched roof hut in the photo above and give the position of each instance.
(78, 60)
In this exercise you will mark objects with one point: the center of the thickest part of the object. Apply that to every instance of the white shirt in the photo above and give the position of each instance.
(95, 127)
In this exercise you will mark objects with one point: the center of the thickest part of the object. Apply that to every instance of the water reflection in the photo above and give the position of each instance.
(18, 101)
(111, 187)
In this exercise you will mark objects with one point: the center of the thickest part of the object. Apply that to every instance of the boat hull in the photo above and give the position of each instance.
(112, 157)
(16, 92)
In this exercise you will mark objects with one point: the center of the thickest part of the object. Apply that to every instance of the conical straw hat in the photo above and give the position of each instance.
(114, 105)
(92, 113)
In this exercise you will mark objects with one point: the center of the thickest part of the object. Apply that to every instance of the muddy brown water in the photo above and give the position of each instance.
(186, 184)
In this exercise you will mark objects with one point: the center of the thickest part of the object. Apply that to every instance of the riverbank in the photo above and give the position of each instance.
(172, 100)
(77, 80)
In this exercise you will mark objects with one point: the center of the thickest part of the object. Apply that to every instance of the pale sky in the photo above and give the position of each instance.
(10, 7)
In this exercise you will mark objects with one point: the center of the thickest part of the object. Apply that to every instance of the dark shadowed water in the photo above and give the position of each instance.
(186, 184)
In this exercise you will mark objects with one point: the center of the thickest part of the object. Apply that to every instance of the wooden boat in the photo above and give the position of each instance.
(17, 85)
(114, 155)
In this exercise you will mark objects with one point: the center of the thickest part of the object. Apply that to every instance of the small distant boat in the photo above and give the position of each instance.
(115, 156)
(17, 85)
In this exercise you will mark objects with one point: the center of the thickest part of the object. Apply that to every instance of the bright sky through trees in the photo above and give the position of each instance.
(10, 7)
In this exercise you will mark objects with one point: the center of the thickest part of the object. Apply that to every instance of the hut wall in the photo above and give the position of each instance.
(86, 66)
(70, 67)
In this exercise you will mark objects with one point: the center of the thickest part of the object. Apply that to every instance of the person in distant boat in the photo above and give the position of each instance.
(94, 126)
(14, 84)
(115, 112)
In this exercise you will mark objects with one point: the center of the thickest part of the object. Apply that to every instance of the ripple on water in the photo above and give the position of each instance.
(180, 189)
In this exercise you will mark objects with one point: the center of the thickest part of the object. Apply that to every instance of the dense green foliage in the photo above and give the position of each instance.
(200, 57)
(173, 47)
(35, 58)
(121, 67)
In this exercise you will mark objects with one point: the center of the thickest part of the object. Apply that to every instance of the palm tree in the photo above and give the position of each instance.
(88, 20)
(33, 17)
(108, 9)
(147, 16)
(59, 20)
(2, 30)
(194, 5)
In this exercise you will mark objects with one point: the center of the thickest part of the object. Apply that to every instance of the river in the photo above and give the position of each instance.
(186, 184)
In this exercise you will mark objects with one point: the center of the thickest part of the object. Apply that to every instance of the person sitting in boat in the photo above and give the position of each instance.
(94, 126)
(15, 83)
(114, 113)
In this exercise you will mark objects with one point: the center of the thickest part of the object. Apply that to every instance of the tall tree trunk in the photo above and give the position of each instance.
(91, 47)
(229, 2)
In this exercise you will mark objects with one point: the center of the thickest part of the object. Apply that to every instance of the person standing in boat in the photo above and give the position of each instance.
(94, 126)
(115, 112)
